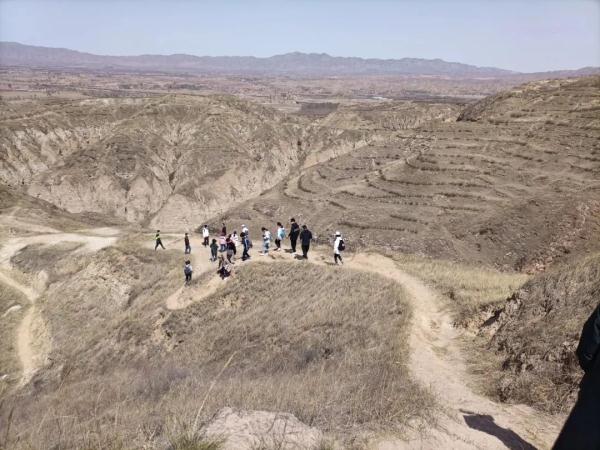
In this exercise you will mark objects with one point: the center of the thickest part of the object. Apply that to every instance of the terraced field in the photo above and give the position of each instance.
(514, 182)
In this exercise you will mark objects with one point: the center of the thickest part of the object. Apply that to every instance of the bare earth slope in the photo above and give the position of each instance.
(536, 333)
(517, 185)
(149, 158)
(174, 161)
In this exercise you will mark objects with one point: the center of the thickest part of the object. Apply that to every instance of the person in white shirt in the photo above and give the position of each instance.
(266, 241)
(245, 230)
(205, 235)
(338, 247)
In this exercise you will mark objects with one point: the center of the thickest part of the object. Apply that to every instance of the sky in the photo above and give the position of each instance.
(526, 35)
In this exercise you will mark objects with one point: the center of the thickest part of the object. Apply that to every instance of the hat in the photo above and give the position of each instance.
(337, 233)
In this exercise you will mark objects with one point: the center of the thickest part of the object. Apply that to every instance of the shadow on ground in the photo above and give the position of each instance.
(486, 424)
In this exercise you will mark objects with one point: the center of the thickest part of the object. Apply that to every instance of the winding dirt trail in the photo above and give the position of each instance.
(467, 420)
(32, 342)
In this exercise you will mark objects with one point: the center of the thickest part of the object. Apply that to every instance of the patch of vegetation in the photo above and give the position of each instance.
(538, 332)
(288, 337)
(469, 288)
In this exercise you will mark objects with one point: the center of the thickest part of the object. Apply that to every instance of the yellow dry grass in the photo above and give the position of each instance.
(469, 288)
(327, 345)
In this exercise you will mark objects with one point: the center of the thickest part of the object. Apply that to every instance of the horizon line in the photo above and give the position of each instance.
(292, 52)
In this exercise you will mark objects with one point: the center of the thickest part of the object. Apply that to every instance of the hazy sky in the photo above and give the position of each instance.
(527, 35)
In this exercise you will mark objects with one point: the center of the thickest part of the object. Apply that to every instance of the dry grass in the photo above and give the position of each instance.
(470, 289)
(536, 340)
(39, 257)
(305, 340)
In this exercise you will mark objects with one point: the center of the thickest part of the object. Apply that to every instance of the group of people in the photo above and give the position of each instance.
(224, 248)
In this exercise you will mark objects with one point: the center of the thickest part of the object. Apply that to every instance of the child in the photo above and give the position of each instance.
(225, 268)
(158, 241)
(214, 248)
(188, 248)
(280, 236)
(266, 241)
(231, 250)
(187, 270)
(205, 235)
(222, 243)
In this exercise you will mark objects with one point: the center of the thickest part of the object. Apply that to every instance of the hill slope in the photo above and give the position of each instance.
(517, 185)
(174, 161)
(536, 333)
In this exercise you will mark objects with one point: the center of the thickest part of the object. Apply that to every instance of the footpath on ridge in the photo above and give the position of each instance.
(32, 342)
(467, 420)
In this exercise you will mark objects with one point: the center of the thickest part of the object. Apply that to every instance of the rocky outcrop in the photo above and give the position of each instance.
(246, 430)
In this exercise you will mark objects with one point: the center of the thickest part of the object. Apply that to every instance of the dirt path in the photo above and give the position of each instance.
(468, 420)
(200, 258)
(32, 341)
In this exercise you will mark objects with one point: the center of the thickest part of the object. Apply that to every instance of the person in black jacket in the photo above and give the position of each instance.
(581, 431)
(246, 244)
(294, 232)
(305, 238)
(186, 241)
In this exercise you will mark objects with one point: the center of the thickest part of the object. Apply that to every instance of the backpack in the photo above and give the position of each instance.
(249, 243)
(341, 246)
(187, 270)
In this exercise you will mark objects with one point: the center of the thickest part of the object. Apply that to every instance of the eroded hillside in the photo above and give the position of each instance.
(175, 161)
(536, 333)
(516, 185)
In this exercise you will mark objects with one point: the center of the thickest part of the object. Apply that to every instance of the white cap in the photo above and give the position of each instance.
(337, 233)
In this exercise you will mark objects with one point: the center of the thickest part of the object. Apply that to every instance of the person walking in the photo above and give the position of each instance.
(186, 241)
(235, 238)
(205, 235)
(225, 268)
(294, 232)
(214, 248)
(222, 243)
(266, 236)
(231, 250)
(305, 238)
(247, 244)
(581, 431)
(280, 236)
(224, 230)
(338, 247)
(187, 270)
(158, 241)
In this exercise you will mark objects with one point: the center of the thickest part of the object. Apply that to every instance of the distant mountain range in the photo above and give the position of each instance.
(291, 64)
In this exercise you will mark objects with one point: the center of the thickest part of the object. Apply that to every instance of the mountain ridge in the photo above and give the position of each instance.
(17, 54)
